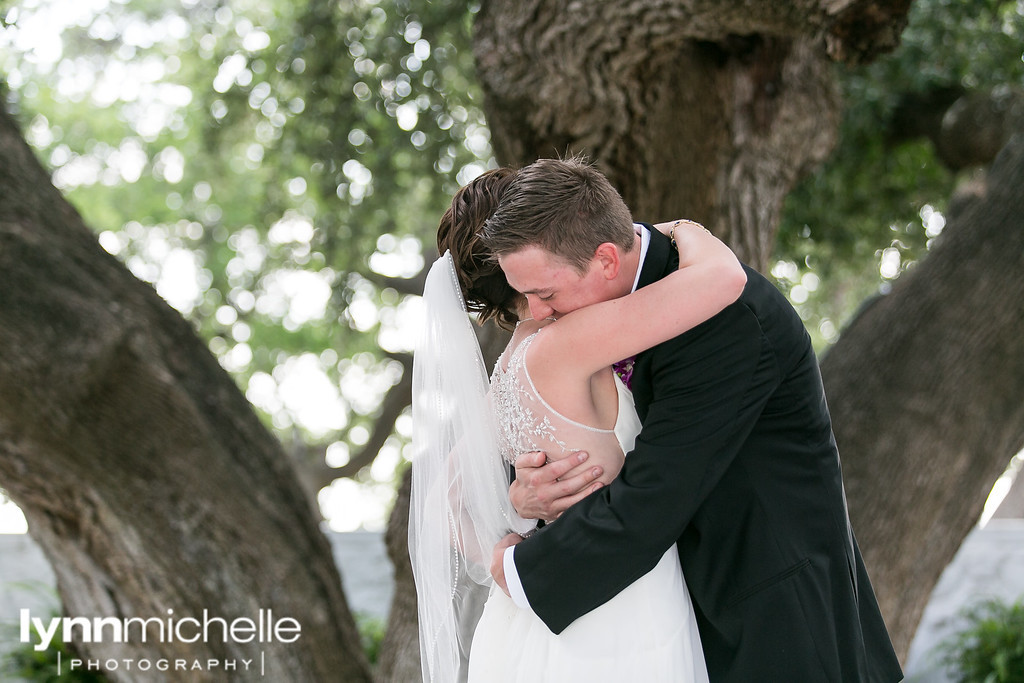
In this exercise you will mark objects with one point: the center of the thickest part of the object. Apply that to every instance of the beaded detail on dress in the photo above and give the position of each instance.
(525, 421)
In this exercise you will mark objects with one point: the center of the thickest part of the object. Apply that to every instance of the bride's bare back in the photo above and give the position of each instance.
(580, 417)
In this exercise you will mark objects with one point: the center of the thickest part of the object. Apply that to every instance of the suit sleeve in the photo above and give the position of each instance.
(708, 388)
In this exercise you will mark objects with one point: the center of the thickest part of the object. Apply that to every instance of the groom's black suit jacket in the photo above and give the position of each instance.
(737, 464)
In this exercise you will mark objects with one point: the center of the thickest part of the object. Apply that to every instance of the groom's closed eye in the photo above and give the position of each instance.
(542, 295)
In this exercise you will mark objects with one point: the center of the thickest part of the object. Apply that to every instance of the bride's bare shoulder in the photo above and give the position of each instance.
(551, 352)
(523, 330)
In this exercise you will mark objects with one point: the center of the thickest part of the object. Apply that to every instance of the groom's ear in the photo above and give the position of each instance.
(608, 259)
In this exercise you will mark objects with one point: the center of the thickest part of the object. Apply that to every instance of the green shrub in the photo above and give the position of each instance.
(371, 634)
(991, 648)
(24, 662)
(29, 664)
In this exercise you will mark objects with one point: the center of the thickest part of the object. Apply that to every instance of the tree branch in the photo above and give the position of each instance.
(311, 460)
(144, 473)
(967, 128)
(405, 285)
(926, 390)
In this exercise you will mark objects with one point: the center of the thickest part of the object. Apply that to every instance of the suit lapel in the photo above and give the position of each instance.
(656, 264)
(657, 261)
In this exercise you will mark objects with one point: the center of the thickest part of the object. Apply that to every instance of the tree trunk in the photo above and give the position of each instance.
(144, 474)
(712, 110)
(709, 110)
(400, 650)
(926, 388)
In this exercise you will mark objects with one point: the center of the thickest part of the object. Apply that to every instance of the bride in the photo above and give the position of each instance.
(553, 390)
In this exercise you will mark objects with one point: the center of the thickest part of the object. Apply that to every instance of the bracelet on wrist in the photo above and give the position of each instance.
(672, 230)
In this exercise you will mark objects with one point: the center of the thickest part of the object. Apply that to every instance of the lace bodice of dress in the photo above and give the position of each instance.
(526, 422)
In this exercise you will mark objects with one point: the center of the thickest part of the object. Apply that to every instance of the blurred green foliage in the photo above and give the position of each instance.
(23, 662)
(372, 630)
(990, 649)
(871, 210)
(263, 164)
(48, 666)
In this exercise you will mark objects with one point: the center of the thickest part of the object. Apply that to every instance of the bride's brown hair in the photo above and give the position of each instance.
(483, 285)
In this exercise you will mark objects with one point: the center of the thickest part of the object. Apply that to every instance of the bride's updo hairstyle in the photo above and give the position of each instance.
(483, 285)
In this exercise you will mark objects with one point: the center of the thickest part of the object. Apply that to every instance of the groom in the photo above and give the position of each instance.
(736, 462)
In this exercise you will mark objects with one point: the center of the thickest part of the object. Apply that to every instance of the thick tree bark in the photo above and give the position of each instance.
(144, 474)
(926, 389)
(712, 111)
(400, 653)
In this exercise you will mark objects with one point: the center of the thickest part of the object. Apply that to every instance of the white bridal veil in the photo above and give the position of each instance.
(459, 506)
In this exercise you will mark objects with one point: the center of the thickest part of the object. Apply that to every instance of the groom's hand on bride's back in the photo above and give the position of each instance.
(544, 490)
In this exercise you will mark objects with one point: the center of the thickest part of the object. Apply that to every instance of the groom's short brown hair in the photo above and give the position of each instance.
(564, 206)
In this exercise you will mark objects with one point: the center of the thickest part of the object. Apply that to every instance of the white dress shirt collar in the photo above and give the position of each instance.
(645, 242)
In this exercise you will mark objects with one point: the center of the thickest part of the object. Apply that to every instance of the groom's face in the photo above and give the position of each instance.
(552, 286)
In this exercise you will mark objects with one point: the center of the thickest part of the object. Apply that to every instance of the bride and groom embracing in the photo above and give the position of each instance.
(719, 549)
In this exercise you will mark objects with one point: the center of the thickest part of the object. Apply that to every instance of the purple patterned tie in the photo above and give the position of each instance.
(624, 369)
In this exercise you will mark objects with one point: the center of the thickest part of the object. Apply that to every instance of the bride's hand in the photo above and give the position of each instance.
(540, 492)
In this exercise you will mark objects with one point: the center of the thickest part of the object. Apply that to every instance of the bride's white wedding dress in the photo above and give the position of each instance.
(646, 633)
(465, 430)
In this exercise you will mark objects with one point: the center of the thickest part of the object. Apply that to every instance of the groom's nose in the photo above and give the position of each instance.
(538, 309)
